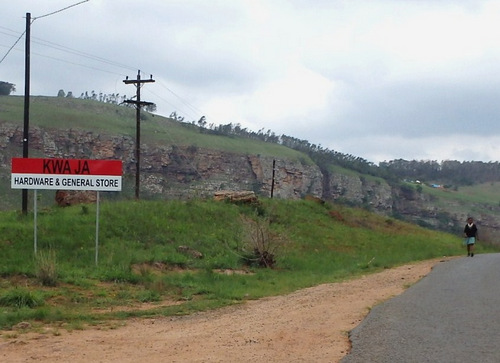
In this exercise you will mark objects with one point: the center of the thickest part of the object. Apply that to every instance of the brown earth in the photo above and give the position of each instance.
(309, 325)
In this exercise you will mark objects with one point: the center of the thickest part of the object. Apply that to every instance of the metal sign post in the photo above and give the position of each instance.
(35, 227)
(97, 230)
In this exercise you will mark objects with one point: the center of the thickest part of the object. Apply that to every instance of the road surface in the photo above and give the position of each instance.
(451, 315)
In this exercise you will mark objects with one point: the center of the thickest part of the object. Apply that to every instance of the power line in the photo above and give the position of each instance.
(186, 103)
(192, 109)
(162, 98)
(8, 34)
(175, 107)
(194, 112)
(77, 64)
(35, 18)
(58, 11)
(70, 62)
(181, 99)
(12, 31)
(68, 50)
(82, 54)
(13, 45)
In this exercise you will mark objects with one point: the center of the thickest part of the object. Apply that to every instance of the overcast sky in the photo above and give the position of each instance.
(378, 79)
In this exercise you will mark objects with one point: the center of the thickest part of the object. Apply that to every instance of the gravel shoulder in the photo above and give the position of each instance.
(308, 325)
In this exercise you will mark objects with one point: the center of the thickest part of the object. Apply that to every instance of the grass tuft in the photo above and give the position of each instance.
(46, 268)
(21, 298)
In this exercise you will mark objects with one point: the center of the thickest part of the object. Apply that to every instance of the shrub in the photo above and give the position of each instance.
(261, 245)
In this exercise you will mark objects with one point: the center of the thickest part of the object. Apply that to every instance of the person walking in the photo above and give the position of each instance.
(470, 233)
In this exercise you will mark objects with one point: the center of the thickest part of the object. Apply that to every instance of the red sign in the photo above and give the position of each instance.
(69, 174)
(66, 166)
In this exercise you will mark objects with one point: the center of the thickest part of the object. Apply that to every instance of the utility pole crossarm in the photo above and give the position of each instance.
(140, 103)
(134, 81)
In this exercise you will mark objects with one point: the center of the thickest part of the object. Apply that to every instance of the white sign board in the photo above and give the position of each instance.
(66, 174)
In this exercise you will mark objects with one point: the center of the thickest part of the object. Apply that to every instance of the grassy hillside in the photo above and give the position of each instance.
(65, 113)
(488, 193)
(474, 199)
(140, 259)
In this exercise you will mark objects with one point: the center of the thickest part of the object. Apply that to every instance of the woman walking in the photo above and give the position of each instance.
(470, 233)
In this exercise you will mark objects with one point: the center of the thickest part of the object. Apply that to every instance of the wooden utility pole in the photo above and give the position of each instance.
(26, 104)
(138, 105)
(272, 182)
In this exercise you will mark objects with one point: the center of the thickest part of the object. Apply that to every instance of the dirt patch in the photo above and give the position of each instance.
(309, 325)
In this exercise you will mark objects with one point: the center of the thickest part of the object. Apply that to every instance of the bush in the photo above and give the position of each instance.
(261, 245)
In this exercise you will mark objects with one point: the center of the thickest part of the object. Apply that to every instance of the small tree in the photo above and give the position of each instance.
(261, 244)
(150, 108)
(6, 88)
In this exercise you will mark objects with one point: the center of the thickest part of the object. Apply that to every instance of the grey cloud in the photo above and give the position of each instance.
(412, 109)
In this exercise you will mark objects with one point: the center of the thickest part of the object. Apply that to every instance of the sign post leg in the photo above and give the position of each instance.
(97, 230)
(35, 207)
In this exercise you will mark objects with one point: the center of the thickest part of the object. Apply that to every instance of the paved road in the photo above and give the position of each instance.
(451, 315)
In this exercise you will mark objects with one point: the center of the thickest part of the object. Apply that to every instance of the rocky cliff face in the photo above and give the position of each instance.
(169, 171)
(375, 194)
(182, 172)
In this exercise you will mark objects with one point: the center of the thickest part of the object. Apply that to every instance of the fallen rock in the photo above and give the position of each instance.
(66, 198)
(190, 251)
(23, 325)
(236, 197)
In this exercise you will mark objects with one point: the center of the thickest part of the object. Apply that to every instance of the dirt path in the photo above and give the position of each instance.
(309, 325)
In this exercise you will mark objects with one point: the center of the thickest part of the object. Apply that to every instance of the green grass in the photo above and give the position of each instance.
(140, 261)
(487, 193)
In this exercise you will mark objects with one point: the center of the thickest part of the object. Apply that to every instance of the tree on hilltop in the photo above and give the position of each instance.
(6, 88)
